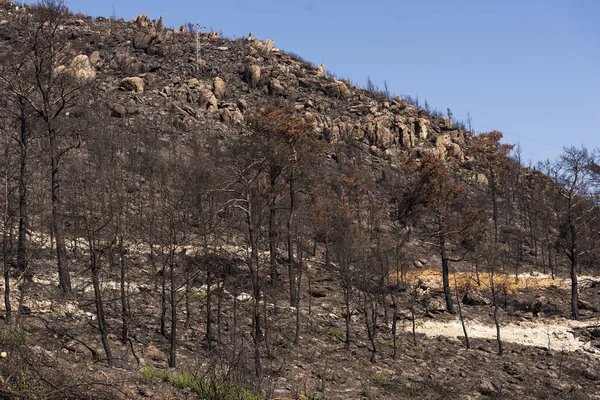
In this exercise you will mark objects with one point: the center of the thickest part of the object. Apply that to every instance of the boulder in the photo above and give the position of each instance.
(82, 69)
(454, 150)
(95, 58)
(119, 111)
(252, 75)
(141, 21)
(435, 305)
(242, 104)
(275, 87)
(337, 89)
(422, 128)
(586, 305)
(208, 101)
(474, 298)
(446, 124)
(142, 40)
(219, 88)
(538, 305)
(153, 353)
(321, 70)
(231, 117)
(133, 84)
(269, 45)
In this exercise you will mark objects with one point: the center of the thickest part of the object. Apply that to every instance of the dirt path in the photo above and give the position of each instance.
(557, 336)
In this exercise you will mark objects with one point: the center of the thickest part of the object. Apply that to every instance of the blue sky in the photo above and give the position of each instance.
(529, 68)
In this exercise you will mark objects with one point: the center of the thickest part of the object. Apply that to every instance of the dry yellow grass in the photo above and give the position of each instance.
(468, 280)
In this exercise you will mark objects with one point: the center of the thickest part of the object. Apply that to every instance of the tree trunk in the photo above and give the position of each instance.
(460, 314)
(297, 304)
(395, 326)
(253, 265)
(496, 320)
(64, 277)
(125, 308)
(574, 258)
(348, 315)
(163, 301)
(23, 197)
(173, 300)
(272, 247)
(100, 303)
(445, 275)
(290, 243)
(6, 265)
(208, 309)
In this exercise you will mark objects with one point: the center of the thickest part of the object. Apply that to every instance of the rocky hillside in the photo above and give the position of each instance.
(145, 71)
(189, 216)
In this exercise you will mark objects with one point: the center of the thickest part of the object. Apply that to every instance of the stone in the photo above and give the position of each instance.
(422, 128)
(237, 117)
(275, 87)
(252, 75)
(446, 124)
(321, 70)
(435, 305)
(141, 20)
(95, 58)
(193, 83)
(226, 116)
(142, 40)
(82, 69)
(242, 104)
(454, 150)
(208, 101)
(337, 89)
(586, 305)
(538, 305)
(486, 387)
(119, 111)
(474, 298)
(317, 293)
(133, 84)
(243, 297)
(481, 179)
(219, 88)
(154, 353)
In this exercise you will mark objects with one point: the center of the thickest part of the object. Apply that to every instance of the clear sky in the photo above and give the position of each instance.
(529, 68)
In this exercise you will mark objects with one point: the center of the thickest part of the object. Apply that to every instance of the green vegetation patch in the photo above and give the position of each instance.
(204, 388)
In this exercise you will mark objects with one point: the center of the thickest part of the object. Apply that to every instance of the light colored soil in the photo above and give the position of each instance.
(557, 336)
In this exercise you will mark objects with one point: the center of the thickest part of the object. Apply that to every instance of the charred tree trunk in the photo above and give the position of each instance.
(208, 309)
(125, 307)
(574, 258)
(163, 301)
(460, 314)
(6, 267)
(102, 327)
(290, 242)
(173, 301)
(23, 194)
(496, 319)
(64, 277)
(445, 273)
(253, 265)
(297, 304)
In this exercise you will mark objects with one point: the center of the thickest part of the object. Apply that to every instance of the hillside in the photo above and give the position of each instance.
(190, 216)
